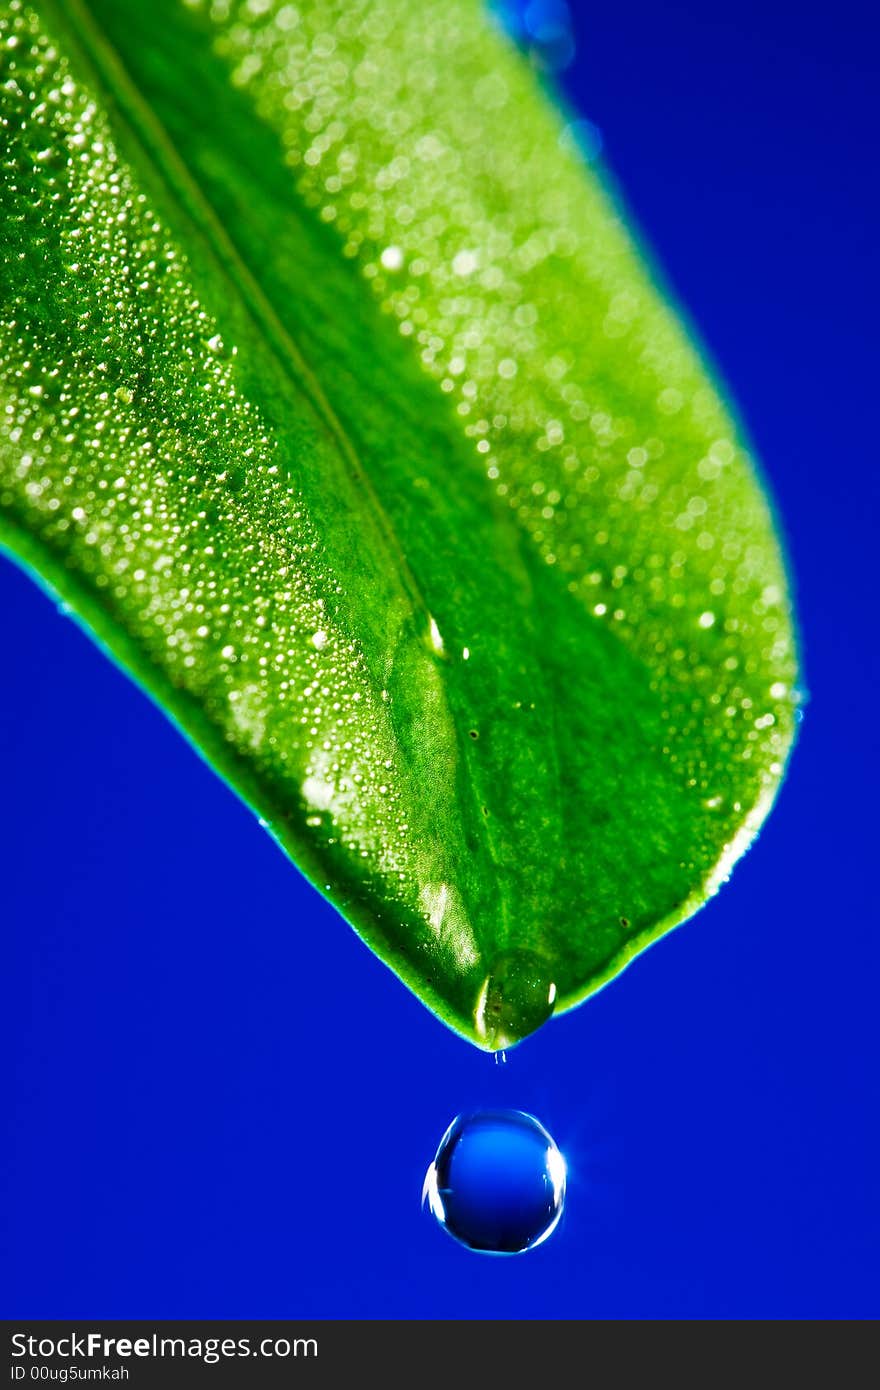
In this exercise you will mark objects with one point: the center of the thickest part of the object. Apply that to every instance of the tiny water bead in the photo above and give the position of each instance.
(497, 1182)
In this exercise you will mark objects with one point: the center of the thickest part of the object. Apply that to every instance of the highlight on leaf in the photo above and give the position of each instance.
(340, 405)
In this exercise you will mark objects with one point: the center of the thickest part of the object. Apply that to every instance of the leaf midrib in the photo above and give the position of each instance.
(110, 75)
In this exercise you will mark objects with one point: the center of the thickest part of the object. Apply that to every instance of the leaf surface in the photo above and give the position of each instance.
(340, 404)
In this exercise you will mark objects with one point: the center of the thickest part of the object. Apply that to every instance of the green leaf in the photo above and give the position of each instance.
(340, 405)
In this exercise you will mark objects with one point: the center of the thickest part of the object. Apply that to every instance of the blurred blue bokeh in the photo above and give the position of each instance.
(219, 1104)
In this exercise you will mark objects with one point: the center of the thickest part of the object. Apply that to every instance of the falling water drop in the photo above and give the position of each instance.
(497, 1182)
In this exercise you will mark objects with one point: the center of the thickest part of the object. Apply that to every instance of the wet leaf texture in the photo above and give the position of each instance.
(340, 404)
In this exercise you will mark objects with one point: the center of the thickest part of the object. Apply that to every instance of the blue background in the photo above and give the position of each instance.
(222, 1105)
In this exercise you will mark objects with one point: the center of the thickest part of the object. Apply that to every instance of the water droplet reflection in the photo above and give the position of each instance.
(497, 1183)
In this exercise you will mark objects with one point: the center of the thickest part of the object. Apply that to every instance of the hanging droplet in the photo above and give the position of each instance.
(517, 997)
(497, 1183)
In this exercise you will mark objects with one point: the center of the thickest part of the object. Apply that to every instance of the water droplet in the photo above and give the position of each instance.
(392, 258)
(464, 263)
(516, 998)
(497, 1183)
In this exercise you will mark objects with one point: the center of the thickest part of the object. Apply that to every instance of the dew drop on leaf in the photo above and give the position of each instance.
(497, 1182)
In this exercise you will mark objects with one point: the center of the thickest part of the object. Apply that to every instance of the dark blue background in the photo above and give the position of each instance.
(220, 1104)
